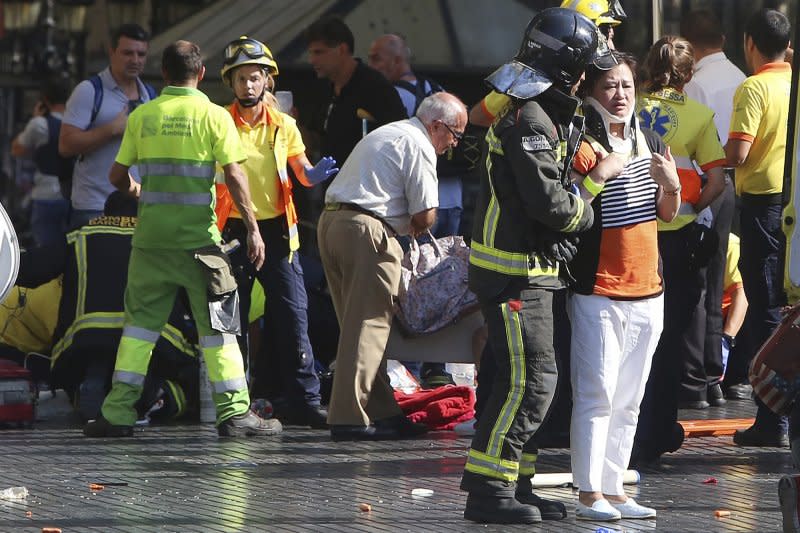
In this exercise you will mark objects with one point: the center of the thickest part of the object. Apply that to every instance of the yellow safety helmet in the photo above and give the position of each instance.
(598, 11)
(246, 51)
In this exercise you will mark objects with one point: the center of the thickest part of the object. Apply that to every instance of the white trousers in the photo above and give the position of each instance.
(612, 348)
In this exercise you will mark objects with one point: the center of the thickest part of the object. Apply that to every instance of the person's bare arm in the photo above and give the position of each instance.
(714, 187)
(18, 149)
(74, 141)
(479, 117)
(736, 313)
(236, 180)
(422, 221)
(122, 180)
(736, 152)
(664, 173)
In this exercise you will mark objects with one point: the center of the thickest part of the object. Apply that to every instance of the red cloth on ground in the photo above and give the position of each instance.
(439, 408)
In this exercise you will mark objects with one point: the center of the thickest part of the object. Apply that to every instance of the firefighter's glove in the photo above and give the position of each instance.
(562, 251)
(324, 169)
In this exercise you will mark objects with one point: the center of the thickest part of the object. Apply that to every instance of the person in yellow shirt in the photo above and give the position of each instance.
(272, 144)
(687, 127)
(734, 300)
(756, 147)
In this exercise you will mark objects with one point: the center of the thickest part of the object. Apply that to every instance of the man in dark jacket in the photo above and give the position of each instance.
(525, 217)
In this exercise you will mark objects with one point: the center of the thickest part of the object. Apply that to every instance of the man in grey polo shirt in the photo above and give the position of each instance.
(386, 187)
(95, 140)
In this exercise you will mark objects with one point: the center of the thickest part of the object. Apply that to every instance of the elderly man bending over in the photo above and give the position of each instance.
(387, 187)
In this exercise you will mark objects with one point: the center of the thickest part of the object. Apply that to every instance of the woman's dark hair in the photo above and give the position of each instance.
(669, 63)
(594, 75)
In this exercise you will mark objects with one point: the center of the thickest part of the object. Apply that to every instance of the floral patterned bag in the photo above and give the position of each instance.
(433, 285)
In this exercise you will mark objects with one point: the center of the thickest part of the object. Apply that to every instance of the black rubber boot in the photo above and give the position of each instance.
(549, 509)
(495, 509)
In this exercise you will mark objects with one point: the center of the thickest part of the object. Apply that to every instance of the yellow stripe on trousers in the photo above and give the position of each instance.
(516, 389)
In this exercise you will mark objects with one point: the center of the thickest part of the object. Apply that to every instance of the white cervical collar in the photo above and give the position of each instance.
(622, 146)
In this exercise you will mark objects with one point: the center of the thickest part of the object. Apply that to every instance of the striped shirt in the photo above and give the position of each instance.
(630, 198)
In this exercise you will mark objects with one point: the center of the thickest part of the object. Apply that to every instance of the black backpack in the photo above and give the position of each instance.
(457, 161)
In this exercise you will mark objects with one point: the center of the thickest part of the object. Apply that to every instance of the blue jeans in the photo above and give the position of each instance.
(286, 360)
(49, 221)
(762, 246)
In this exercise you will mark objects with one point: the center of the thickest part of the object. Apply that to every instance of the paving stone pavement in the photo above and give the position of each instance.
(184, 478)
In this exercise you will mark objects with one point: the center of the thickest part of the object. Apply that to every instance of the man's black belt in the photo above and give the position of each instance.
(762, 200)
(346, 206)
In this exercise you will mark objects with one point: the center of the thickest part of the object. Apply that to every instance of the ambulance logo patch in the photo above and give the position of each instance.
(536, 143)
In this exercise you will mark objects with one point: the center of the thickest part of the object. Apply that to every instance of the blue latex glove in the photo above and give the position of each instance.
(574, 190)
(324, 169)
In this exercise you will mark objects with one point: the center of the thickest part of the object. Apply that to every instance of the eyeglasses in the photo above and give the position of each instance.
(249, 47)
(458, 136)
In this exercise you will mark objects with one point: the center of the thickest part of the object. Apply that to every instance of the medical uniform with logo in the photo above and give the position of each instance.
(687, 127)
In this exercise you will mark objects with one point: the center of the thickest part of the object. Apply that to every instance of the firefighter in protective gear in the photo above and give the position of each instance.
(525, 215)
(272, 143)
(176, 141)
(606, 14)
(91, 264)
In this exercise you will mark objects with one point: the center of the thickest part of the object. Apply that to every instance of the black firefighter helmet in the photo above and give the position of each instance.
(558, 45)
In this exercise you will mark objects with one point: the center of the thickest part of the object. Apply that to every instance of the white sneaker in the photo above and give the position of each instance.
(787, 495)
(631, 509)
(466, 429)
(600, 511)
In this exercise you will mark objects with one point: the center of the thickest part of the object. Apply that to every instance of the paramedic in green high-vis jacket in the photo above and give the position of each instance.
(176, 141)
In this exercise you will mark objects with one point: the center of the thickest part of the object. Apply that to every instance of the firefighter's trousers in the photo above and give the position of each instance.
(521, 337)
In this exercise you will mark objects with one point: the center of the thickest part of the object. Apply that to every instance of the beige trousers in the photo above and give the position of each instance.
(362, 264)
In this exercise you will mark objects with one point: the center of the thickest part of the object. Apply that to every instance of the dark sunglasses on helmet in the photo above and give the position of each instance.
(249, 47)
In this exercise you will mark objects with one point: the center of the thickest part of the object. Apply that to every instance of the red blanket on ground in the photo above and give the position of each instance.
(439, 408)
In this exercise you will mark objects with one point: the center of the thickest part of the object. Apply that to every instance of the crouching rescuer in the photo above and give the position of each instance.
(176, 141)
(526, 216)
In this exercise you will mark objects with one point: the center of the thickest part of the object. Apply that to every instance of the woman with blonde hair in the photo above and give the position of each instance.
(273, 144)
(685, 243)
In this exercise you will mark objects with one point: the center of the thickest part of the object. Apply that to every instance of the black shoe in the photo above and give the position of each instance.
(488, 509)
(549, 509)
(314, 416)
(343, 432)
(693, 404)
(739, 391)
(405, 428)
(436, 378)
(249, 424)
(715, 396)
(753, 436)
(102, 428)
(676, 438)
(89, 398)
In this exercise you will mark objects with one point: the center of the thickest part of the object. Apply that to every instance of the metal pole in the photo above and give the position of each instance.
(658, 14)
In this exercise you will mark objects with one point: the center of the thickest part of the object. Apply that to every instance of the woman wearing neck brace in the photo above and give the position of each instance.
(616, 306)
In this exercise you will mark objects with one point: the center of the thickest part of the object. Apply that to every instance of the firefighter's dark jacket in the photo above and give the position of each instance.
(524, 205)
(94, 261)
